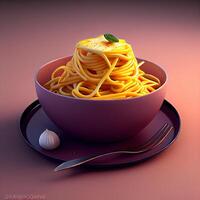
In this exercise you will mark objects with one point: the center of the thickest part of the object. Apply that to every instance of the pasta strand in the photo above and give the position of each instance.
(101, 70)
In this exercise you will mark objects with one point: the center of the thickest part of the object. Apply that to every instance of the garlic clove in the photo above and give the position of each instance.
(49, 140)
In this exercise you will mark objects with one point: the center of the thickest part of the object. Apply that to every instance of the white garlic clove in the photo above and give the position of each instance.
(49, 140)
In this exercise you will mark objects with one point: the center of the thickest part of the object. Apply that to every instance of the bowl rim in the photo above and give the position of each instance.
(96, 100)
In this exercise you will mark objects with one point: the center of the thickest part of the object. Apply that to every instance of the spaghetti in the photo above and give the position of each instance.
(100, 69)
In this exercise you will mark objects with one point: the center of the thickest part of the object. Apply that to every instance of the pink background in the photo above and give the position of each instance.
(34, 33)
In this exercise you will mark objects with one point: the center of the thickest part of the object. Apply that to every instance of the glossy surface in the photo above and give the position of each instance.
(100, 120)
(34, 121)
(34, 32)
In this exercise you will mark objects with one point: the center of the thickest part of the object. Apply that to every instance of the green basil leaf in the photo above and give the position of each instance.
(111, 38)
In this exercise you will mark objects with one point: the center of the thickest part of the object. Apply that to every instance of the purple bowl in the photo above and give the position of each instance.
(100, 120)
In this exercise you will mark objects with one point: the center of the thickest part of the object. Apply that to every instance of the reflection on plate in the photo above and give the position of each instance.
(34, 121)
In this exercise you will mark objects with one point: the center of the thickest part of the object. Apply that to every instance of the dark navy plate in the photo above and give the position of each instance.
(34, 121)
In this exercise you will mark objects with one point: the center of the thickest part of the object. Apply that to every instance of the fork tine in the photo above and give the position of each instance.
(160, 134)
(154, 141)
(153, 138)
(164, 135)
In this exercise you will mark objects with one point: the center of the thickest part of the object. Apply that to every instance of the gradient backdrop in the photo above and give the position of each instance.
(34, 32)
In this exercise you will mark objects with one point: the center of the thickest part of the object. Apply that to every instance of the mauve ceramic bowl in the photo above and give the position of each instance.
(100, 120)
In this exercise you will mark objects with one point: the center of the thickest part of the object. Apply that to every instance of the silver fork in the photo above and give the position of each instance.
(153, 142)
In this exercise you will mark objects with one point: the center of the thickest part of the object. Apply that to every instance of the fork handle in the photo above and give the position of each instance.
(82, 160)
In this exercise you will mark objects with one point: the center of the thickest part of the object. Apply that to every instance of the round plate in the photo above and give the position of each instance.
(34, 121)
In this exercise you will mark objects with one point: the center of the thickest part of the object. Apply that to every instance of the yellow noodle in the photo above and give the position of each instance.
(102, 70)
